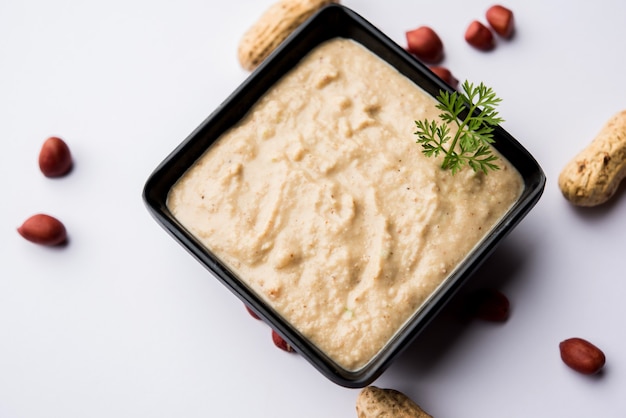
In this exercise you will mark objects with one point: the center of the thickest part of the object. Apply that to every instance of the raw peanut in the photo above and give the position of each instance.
(43, 229)
(582, 356)
(273, 27)
(445, 75)
(374, 402)
(479, 36)
(591, 177)
(425, 44)
(281, 343)
(55, 159)
(501, 20)
(252, 313)
(489, 305)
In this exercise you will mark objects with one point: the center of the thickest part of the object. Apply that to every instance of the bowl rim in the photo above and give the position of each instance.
(332, 21)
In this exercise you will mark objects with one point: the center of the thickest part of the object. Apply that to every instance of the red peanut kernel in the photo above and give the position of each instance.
(281, 343)
(446, 75)
(479, 36)
(501, 20)
(425, 44)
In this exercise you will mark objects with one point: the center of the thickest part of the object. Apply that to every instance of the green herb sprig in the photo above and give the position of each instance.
(471, 142)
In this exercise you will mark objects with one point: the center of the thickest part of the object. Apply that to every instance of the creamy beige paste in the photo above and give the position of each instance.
(323, 203)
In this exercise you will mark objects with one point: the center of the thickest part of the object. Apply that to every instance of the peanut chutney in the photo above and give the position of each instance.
(321, 201)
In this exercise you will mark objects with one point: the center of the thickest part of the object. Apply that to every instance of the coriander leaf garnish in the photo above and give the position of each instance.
(474, 134)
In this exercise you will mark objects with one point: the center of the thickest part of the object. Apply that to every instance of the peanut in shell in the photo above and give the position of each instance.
(594, 174)
(273, 27)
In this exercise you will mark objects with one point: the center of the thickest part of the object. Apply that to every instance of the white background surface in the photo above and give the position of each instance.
(124, 323)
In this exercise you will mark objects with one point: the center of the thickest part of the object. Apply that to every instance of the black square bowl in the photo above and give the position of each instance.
(330, 22)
